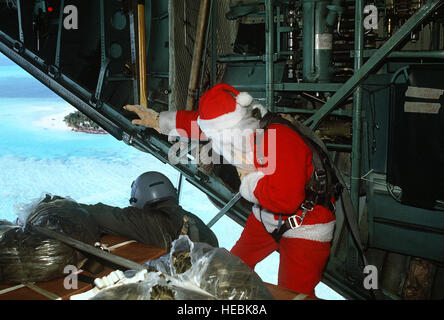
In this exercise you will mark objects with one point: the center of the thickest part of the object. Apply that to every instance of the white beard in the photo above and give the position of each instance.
(236, 144)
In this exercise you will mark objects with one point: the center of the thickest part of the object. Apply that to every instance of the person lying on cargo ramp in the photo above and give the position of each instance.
(154, 217)
(276, 166)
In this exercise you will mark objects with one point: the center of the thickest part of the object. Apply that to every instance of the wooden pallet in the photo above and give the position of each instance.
(131, 250)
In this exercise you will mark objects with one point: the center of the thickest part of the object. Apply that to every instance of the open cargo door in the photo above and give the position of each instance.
(100, 55)
(90, 54)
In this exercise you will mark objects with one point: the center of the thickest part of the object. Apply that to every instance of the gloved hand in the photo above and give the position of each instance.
(242, 172)
(148, 117)
(261, 109)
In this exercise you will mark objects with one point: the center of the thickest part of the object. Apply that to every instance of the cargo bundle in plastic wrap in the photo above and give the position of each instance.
(191, 271)
(26, 256)
(64, 216)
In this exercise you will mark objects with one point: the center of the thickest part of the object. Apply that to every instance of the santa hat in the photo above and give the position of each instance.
(222, 107)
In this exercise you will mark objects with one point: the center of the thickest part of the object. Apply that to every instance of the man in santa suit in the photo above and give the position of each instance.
(275, 186)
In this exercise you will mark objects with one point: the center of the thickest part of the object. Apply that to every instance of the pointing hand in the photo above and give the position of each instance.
(148, 117)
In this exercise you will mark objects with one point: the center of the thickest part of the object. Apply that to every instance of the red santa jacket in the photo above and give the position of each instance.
(278, 185)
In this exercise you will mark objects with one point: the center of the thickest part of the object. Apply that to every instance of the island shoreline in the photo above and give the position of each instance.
(78, 122)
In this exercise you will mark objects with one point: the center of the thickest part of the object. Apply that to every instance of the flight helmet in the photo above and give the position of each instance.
(151, 187)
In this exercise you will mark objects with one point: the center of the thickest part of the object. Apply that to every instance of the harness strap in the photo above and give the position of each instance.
(276, 234)
(293, 222)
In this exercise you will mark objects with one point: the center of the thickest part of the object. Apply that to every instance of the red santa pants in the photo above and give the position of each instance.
(301, 261)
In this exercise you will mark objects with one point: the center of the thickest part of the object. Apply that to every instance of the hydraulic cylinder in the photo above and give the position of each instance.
(317, 38)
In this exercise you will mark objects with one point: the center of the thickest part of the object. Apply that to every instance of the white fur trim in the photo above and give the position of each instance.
(167, 122)
(322, 232)
(244, 99)
(248, 185)
(224, 121)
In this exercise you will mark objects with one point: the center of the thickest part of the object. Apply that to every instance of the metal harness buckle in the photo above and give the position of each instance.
(320, 174)
(308, 206)
(293, 220)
